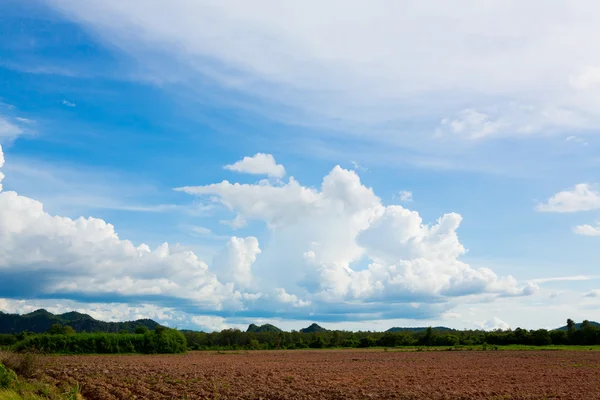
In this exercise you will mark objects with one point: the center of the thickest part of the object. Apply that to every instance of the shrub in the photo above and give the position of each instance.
(8, 378)
(26, 365)
(158, 341)
(140, 330)
(317, 343)
(367, 342)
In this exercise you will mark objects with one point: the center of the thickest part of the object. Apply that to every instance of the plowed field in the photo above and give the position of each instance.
(336, 374)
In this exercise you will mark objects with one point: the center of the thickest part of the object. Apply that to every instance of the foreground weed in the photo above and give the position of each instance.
(74, 393)
(26, 365)
(8, 378)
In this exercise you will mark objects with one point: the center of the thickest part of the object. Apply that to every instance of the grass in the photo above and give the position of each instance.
(36, 390)
(489, 347)
(23, 380)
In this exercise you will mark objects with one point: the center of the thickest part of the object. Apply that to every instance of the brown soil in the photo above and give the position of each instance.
(335, 374)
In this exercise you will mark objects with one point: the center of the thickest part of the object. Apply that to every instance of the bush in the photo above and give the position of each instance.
(317, 343)
(152, 342)
(26, 365)
(8, 378)
(140, 330)
(367, 342)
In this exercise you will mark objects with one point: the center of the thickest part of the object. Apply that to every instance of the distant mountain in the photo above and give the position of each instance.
(263, 328)
(41, 320)
(313, 328)
(419, 329)
(578, 326)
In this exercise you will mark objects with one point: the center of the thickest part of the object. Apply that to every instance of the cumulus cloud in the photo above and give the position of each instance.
(319, 234)
(306, 266)
(85, 257)
(69, 103)
(234, 262)
(259, 164)
(588, 230)
(1, 165)
(111, 312)
(583, 197)
(494, 324)
(283, 297)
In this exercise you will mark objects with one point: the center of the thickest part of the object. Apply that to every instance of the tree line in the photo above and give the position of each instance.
(587, 334)
(64, 339)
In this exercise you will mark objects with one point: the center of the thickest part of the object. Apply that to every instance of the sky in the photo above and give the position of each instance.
(359, 164)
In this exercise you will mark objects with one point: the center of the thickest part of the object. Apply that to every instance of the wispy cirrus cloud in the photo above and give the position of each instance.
(515, 77)
(9, 130)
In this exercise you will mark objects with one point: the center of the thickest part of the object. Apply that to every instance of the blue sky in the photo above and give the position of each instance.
(487, 119)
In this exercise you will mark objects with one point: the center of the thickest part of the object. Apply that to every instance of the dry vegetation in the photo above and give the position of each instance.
(334, 374)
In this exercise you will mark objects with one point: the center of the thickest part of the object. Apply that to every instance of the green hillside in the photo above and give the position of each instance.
(263, 328)
(578, 326)
(41, 320)
(420, 329)
(313, 328)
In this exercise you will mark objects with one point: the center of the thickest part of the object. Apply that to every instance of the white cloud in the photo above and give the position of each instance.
(201, 230)
(588, 230)
(1, 165)
(111, 312)
(472, 124)
(8, 130)
(234, 263)
(25, 120)
(236, 223)
(575, 139)
(298, 54)
(283, 297)
(317, 235)
(588, 78)
(259, 164)
(593, 293)
(583, 197)
(75, 190)
(405, 195)
(210, 323)
(68, 103)
(566, 278)
(358, 167)
(494, 324)
(85, 256)
(307, 261)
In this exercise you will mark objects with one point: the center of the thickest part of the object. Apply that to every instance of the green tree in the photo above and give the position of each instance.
(140, 330)
(317, 343)
(428, 338)
(56, 329)
(68, 330)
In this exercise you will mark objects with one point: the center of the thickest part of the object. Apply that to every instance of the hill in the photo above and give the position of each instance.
(420, 329)
(313, 328)
(578, 326)
(263, 328)
(41, 320)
